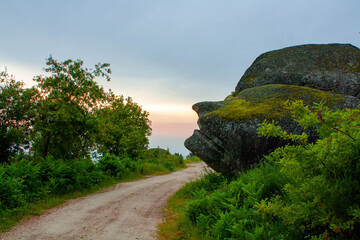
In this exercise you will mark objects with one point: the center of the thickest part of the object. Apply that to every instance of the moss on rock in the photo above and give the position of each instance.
(267, 102)
(227, 139)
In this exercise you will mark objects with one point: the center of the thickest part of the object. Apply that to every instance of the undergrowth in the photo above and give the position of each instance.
(28, 186)
(302, 191)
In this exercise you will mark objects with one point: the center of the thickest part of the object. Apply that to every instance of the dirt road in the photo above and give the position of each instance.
(127, 211)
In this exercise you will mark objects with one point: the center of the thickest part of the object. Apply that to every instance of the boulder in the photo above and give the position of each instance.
(227, 139)
(327, 67)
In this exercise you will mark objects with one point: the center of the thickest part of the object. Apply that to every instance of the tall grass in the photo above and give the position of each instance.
(216, 207)
(28, 185)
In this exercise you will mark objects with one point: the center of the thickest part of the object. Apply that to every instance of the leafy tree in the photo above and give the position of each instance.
(323, 194)
(124, 127)
(66, 101)
(16, 116)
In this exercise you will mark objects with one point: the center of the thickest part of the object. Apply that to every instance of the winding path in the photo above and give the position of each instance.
(127, 211)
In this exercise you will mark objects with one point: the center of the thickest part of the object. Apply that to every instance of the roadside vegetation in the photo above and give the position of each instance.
(67, 137)
(305, 190)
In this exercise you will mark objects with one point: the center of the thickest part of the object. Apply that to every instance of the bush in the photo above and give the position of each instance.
(26, 181)
(159, 156)
(130, 165)
(20, 182)
(209, 182)
(112, 165)
(11, 195)
(305, 190)
(225, 208)
(87, 173)
(147, 168)
(169, 165)
(28, 174)
(323, 193)
(118, 167)
(60, 177)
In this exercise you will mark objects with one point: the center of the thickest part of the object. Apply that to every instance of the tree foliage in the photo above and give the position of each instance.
(16, 116)
(66, 101)
(124, 127)
(48, 131)
(68, 115)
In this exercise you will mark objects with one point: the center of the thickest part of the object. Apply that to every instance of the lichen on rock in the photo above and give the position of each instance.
(328, 67)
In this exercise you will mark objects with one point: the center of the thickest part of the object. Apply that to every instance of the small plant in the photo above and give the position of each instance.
(234, 93)
(323, 191)
(305, 190)
(112, 165)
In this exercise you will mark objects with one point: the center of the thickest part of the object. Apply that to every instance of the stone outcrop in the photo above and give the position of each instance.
(228, 141)
(327, 67)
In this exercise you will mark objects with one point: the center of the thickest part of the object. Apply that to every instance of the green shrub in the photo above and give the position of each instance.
(28, 179)
(61, 177)
(130, 165)
(224, 209)
(302, 191)
(20, 183)
(209, 181)
(28, 174)
(11, 195)
(159, 156)
(323, 193)
(191, 159)
(112, 165)
(169, 165)
(147, 168)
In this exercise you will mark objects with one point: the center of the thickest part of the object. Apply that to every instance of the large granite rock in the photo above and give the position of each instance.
(228, 141)
(328, 67)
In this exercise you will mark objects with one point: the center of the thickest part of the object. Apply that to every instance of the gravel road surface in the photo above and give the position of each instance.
(127, 211)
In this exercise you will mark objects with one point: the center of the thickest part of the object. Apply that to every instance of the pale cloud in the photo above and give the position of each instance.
(171, 113)
(167, 55)
(21, 72)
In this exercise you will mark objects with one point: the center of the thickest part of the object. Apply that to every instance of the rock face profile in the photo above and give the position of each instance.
(228, 141)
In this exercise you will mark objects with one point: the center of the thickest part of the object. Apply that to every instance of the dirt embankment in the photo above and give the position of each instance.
(127, 211)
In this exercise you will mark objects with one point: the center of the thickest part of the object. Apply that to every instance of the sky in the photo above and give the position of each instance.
(167, 54)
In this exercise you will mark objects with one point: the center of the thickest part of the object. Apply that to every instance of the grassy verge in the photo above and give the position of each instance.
(14, 216)
(52, 182)
(175, 224)
(192, 159)
(306, 190)
(216, 207)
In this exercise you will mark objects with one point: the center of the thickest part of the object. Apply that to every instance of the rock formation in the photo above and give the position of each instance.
(228, 141)
(327, 67)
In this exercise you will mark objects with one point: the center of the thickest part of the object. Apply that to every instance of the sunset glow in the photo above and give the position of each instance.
(179, 113)
(171, 120)
(167, 55)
